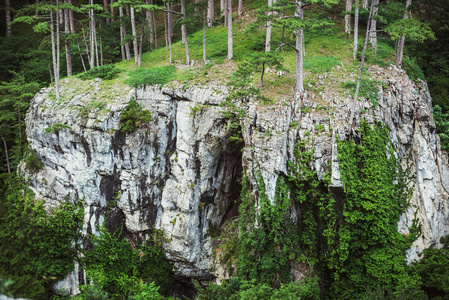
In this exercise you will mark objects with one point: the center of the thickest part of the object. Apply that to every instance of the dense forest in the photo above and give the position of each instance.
(154, 42)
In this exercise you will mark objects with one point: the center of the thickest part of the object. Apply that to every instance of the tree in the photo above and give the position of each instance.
(410, 28)
(356, 29)
(229, 19)
(266, 59)
(210, 12)
(373, 27)
(184, 31)
(348, 16)
(8, 17)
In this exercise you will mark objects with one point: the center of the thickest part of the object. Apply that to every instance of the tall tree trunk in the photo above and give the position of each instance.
(6, 153)
(373, 33)
(150, 18)
(106, 10)
(401, 41)
(184, 31)
(54, 51)
(8, 17)
(205, 12)
(364, 4)
(139, 56)
(356, 29)
(348, 16)
(58, 56)
(359, 80)
(197, 9)
(225, 12)
(96, 42)
(166, 30)
(68, 56)
(154, 29)
(82, 59)
(92, 38)
(134, 32)
(299, 88)
(72, 20)
(170, 27)
(170, 20)
(122, 34)
(210, 12)
(230, 38)
(268, 35)
(223, 8)
(112, 11)
(240, 8)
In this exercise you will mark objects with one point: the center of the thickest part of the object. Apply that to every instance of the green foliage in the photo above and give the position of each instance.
(38, 244)
(239, 289)
(147, 292)
(156, 75)
(413, 70)
(134, 116)
(368, 89)
(56, 128)
(442, 124)
(370, 252)
(433, 268)
(118, 267)
(34, 164)
(107, 72)
(84, 111)
(265, 250)
(320, 64)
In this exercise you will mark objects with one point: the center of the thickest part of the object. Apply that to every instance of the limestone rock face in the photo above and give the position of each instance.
(180, 172)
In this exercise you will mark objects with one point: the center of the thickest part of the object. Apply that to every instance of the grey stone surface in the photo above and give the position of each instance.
(179, 172)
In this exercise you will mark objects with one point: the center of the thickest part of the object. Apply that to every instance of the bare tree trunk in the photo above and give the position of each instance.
(170, 20)
(68, 56)
(7, 155)
(154, 29)
(223, 8)
(92, 38)
(205, 12)
(58, 56)
(106, 10)
(268, 35)
(197, 10)
(170, 27)
(348, 16)
(8, 17)
(82, 59)
(184, 31)
(134, 32)
(139, 56)
(401, 41)
(240, 8)
(299, 88)
(122, 37)
(230, 38)
(72, 20)
(359, 80)
(372, 29)
(54, 51)
(96, 43)
(166, 30)
(210, 12)
(364, 4)
(112, 11)
(150, 16)
(356, 29)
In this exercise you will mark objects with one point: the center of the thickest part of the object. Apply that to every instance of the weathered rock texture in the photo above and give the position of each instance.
(180, 173)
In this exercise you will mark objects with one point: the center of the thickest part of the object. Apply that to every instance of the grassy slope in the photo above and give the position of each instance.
(325, 48)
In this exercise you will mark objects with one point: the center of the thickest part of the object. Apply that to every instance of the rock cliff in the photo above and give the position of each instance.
(180, 173)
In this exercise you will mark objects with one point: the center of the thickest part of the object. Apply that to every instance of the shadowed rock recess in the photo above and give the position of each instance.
(180, 173)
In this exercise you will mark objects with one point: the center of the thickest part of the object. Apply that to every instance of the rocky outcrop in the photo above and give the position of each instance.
(180, 172)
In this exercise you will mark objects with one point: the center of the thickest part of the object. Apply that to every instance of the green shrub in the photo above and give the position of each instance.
(34, 164)
(151, 76)
(118, 266)
(107, 72)
(37, 247)
(442, 124)
(134, 116)
(412, 69)
(57, 127)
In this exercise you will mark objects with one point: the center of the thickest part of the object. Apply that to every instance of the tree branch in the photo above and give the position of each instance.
(287, 44)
